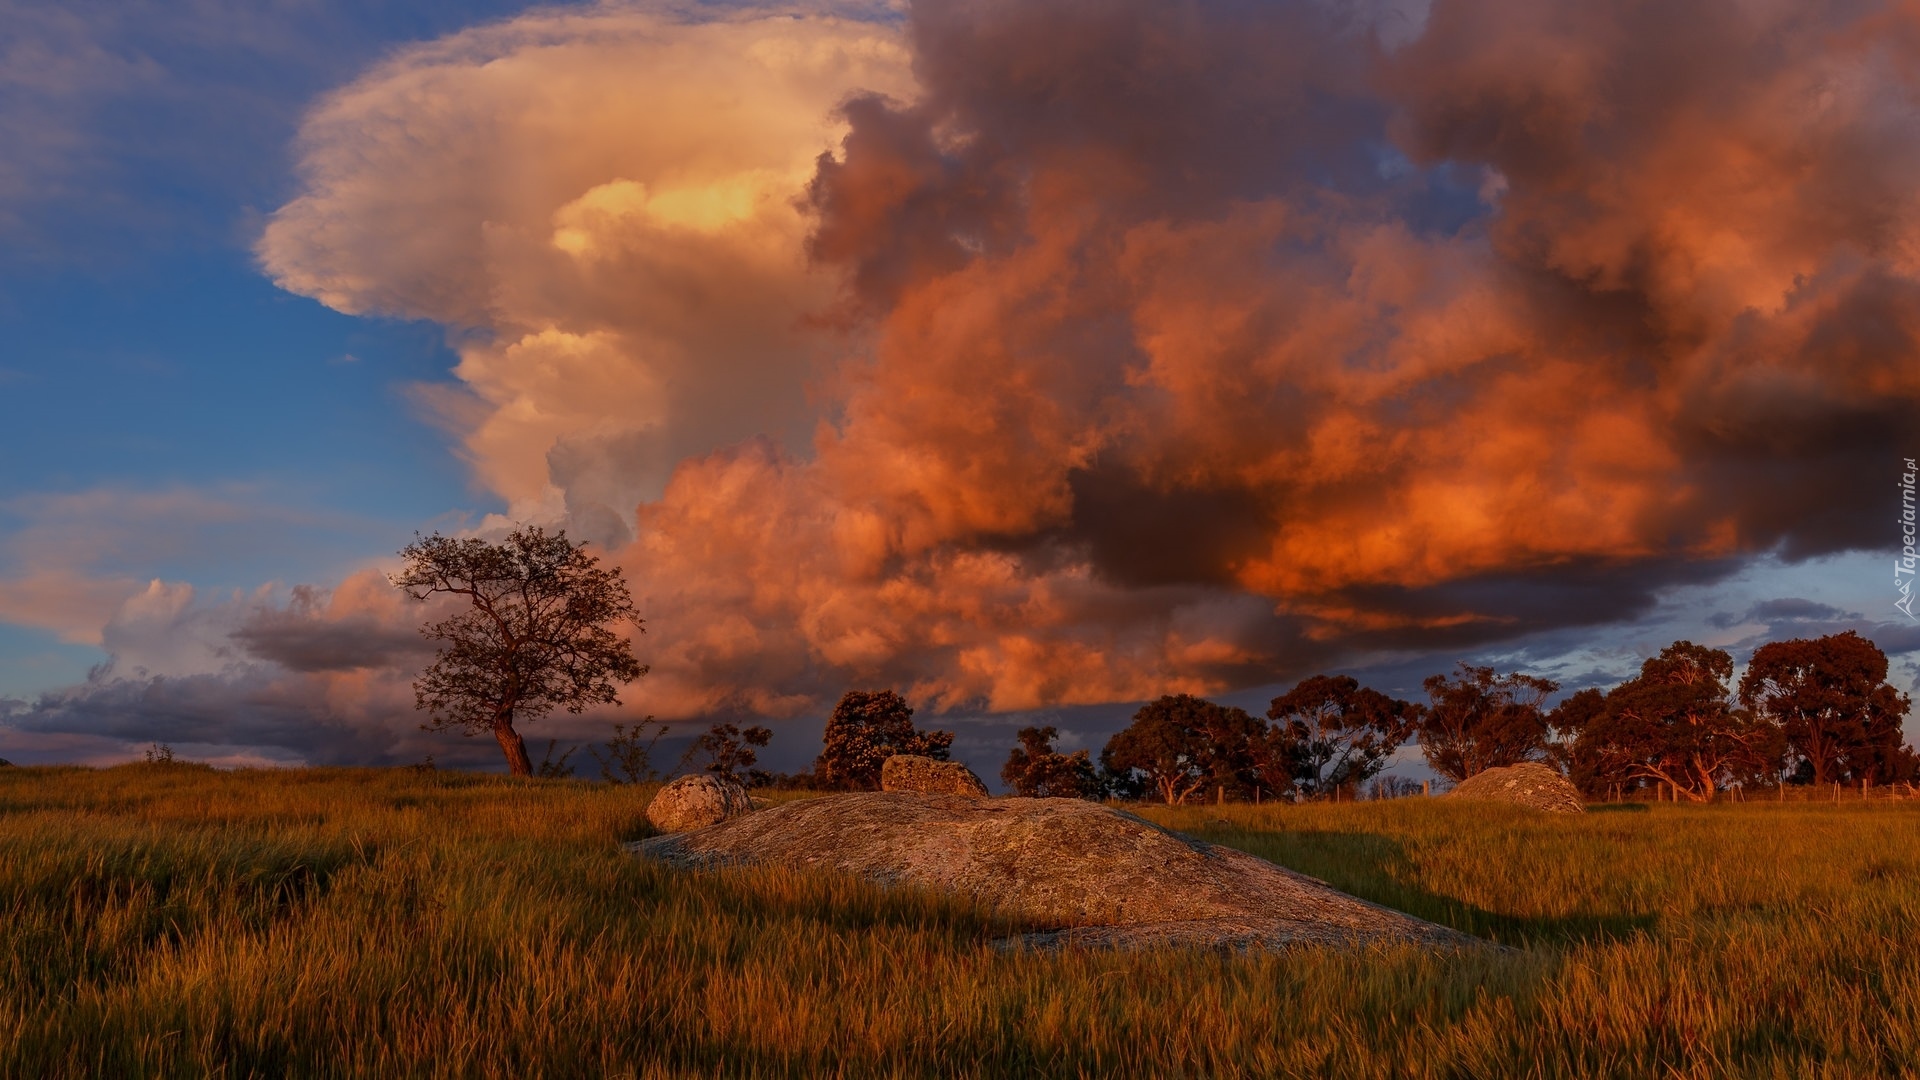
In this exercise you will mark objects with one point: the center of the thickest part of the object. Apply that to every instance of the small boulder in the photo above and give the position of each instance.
(1529, 784)
(911, 772)
(697, 801)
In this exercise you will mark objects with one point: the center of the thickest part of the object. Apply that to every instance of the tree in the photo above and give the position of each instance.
(1567, 723)
(1832, 701)
(1036, 770)
(534, 634)
(552, 768)
(1674, 724)
(729, 750)
(1480, 721)
(629, 757)
(1181, 744)
(1277, 756)
(867, 728)
(1341, 733)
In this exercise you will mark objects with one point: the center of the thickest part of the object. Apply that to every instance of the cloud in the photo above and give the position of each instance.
(75, 562)
(1171, 320)
(605, 205)
(1037, 353)
(365, 624)
(306, 675)
(135, 127)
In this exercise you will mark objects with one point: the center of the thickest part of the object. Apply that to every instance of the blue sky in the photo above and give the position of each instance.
(142, 350)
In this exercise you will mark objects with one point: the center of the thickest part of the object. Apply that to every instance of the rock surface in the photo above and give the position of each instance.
(695, 802)
(911, 772)
(1081, 873)
(1528, 784)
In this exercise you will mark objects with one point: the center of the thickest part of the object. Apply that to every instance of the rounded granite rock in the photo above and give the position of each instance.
(1529, 784)
(697, 801)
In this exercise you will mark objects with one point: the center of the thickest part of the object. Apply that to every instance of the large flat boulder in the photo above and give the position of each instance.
(1084, 874)
(1529, 784)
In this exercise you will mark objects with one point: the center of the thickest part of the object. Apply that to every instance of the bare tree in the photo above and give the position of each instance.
(730, 752)
(629, 758)
(534, 635)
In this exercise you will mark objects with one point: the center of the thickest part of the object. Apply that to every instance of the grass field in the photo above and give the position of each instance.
(174, 921)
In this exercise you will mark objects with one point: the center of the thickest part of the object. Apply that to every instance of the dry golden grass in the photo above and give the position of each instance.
(174, 921)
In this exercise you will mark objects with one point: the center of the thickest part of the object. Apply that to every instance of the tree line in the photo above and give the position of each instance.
(530, 632)
(1806, 711)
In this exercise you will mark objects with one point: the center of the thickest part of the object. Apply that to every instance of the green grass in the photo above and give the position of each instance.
(174, 921)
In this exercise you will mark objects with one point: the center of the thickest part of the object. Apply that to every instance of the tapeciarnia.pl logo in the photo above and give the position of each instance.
(1903, 567)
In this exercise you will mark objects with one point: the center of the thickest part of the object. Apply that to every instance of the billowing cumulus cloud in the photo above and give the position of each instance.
(605, 208)
(1022, 353)
(1025, 354)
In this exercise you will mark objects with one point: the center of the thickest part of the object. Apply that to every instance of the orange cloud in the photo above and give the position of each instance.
(1112, 350)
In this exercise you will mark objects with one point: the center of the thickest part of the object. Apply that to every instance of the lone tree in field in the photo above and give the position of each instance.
(534, 635)
(867, 728)
(1480, 721)
(1831, 698)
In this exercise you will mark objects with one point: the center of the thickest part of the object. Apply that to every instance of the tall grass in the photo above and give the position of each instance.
(172, 921)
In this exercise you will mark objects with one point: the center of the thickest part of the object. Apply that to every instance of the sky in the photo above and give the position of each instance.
(1031, 358)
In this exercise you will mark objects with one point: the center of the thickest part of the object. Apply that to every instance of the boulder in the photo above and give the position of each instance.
(1076, 872)
(697, 801)
(911, 772)
(1528, 784)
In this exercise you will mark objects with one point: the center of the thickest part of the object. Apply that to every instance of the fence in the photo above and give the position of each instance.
(1862, 792)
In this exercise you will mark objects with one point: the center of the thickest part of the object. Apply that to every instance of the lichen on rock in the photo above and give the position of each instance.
(911, 772)
(1528, 784)
(1078, 873)
(695, 802)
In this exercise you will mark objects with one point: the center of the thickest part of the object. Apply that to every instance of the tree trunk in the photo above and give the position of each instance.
(513, 746)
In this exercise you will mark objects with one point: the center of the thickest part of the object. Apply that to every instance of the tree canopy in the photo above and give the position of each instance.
(1674, 724)
(1479, 720)
(1179, 745)
(535, 633)
(1831, 699)
(867, 728)
(1336, 733)
(1036, 770)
